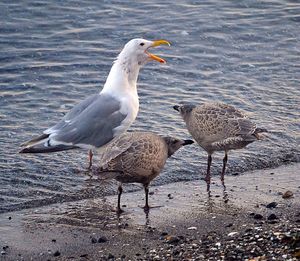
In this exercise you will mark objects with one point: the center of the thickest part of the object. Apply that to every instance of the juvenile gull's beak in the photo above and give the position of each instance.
(154, 44)
(187, 142)
(176, 107)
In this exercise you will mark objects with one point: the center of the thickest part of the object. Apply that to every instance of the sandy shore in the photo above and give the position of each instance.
(183, 225)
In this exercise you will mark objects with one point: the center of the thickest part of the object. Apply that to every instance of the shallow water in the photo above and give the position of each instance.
(55, 53)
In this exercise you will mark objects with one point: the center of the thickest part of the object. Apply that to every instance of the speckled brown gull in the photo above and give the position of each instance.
(218, 127)
(104, 116)
(141, 161)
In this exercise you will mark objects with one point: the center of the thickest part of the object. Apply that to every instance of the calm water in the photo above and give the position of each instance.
(55, 53)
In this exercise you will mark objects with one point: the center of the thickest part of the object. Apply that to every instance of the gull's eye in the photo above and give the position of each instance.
(142, 44)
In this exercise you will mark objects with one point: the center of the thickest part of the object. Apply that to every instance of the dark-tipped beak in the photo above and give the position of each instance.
(187, 142)
(176, 107)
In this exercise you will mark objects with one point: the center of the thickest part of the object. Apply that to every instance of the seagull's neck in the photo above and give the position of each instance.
(122, 78)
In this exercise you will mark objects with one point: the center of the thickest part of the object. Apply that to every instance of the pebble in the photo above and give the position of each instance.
(272, 205)
(272, 217)
(56, 253)
(272, 221)
(192, 228)
(110, 256)
(258, 216)
(172, 239)
(261, 243)
(102, 239)
(194, 246)
(94, 240)
(287, 194)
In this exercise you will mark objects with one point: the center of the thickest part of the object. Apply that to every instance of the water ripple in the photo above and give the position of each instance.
(55, 53)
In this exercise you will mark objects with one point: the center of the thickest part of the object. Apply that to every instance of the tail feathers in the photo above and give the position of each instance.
(40, 148)
(39, 139)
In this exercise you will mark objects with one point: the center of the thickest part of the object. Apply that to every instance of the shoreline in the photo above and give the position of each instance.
(184, 224)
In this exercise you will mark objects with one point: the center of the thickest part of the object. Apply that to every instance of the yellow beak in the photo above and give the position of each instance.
(160, 42)
(154, 44)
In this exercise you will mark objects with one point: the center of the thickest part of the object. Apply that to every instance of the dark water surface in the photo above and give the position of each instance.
(55, 53)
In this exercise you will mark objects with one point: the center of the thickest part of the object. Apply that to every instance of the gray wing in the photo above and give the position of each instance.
(75, 111)
(91, 122)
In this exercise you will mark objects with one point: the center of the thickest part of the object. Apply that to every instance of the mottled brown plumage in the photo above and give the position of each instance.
(142, 159)
(218, 127)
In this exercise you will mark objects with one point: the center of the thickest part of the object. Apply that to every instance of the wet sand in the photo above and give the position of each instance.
(183, 225)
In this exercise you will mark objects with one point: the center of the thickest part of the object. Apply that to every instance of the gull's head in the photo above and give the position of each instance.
(136, 51)
(175, 144)
(184, 110)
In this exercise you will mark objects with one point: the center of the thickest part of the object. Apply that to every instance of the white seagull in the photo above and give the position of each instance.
(102, 117)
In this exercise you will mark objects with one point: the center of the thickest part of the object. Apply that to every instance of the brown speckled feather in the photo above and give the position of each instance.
(143, 160)
(218, 126)
(139, 158)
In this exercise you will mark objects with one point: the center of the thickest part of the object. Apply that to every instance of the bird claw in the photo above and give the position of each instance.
(90, 166)
(88, 173)
(119, 211)
(146, 209)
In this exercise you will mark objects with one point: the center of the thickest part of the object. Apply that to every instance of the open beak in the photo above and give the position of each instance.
(187, 142)
(154, 44)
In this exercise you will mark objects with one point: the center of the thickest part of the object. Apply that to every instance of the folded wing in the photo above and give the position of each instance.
(89, 124)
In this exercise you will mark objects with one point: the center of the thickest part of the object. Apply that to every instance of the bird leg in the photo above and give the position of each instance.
(225, 195)
(120, 190)
(224, 167)
(146, 207)
(90, 159)
(207, 177)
